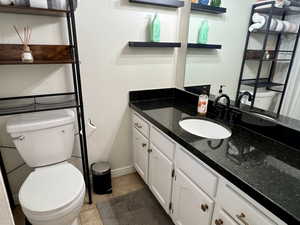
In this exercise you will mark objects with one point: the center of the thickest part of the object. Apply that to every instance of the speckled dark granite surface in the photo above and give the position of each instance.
(266, 170)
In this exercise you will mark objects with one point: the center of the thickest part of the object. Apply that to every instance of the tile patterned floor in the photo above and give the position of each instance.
(89, 214)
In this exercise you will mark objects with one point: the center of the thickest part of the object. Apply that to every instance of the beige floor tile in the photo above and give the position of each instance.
(91, 216)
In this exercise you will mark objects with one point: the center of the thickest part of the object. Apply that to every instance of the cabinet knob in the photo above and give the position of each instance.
(242, 218)
(138, 125)
(204, 207)
(149, 150)
(144, 145)
(219, 222)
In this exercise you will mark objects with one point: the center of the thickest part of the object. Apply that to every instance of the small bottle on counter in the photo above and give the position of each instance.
(202, 105)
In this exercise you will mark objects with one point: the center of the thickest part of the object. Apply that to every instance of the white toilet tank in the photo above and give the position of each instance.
(43, 138)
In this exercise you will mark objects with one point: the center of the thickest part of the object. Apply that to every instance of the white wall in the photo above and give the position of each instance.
(5, 212)
(222, 66)
(109, 70)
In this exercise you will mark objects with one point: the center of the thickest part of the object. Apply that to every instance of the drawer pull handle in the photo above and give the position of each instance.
(144, 145)
(138, 125)
(219, 222)
(204, 207)
(242, 217)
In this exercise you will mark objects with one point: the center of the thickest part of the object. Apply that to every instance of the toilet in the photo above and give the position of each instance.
(263, 99)
(54, 192)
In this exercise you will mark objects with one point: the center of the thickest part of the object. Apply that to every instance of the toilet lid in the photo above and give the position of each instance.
(51, 188)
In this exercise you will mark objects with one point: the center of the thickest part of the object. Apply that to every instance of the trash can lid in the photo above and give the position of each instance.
(100, 168)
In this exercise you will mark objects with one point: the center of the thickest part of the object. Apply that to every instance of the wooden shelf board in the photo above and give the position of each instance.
(208, 8)
(36, 62)
(165, 3)
(32, 11)
(10, 54)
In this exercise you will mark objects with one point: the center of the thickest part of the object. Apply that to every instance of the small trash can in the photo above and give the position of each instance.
(101, 178)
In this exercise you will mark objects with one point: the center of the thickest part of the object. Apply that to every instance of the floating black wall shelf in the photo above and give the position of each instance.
(165, 3)
(140, 44)
(208, 8)
(207, 46)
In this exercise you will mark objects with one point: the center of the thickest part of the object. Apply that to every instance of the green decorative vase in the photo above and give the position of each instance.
(215, 3)
(155, 29)
(203, 33)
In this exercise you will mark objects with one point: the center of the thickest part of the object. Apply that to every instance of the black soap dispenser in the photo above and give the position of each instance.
(220, 93)
(221, 89)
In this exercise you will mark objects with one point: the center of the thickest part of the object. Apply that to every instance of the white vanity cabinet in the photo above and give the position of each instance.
(140, 144)
(160, 176)
(222, 218)
(161, 166)
(140, 154)
(189, 190)
(190, 205)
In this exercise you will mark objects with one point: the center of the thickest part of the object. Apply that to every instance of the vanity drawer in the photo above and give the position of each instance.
(162, 142)
(140, 125)
(197, 172)
(222, 218)
(241, 209)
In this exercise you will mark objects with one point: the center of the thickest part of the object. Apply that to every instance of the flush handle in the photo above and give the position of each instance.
(20, 138)
(242, 218)
(219, 222)
(204, 207)
(138, 125)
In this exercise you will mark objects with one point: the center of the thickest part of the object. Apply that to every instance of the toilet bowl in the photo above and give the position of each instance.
(263, 99)
(53, 195)
(54, 192)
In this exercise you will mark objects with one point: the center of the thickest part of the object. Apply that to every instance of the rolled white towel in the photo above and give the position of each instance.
(260, 22)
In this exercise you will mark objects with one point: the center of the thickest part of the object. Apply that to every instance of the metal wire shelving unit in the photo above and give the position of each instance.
(48, 54)
(269, 9)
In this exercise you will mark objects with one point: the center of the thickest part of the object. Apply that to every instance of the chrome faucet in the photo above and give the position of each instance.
(245, 93)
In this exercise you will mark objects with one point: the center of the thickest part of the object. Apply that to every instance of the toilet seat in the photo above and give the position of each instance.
(51, 190)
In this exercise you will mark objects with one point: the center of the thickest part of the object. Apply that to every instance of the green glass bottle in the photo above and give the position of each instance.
(155, 29)
(203, 33)
(215, 3)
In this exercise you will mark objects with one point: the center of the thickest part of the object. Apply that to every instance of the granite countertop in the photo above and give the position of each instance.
(265, 169)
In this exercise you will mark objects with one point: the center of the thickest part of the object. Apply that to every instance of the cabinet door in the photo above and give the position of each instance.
(222, 218)
(160, 177)
(140, 154)
(191, 206)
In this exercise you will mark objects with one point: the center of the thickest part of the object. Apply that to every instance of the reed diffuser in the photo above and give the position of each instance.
(26, 54)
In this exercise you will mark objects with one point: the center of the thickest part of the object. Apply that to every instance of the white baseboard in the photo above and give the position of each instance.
(122, 171)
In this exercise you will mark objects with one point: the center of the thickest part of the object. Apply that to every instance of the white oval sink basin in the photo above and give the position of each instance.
(205, 128)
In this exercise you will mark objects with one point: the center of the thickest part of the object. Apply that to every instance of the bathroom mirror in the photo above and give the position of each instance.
(215, 67)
